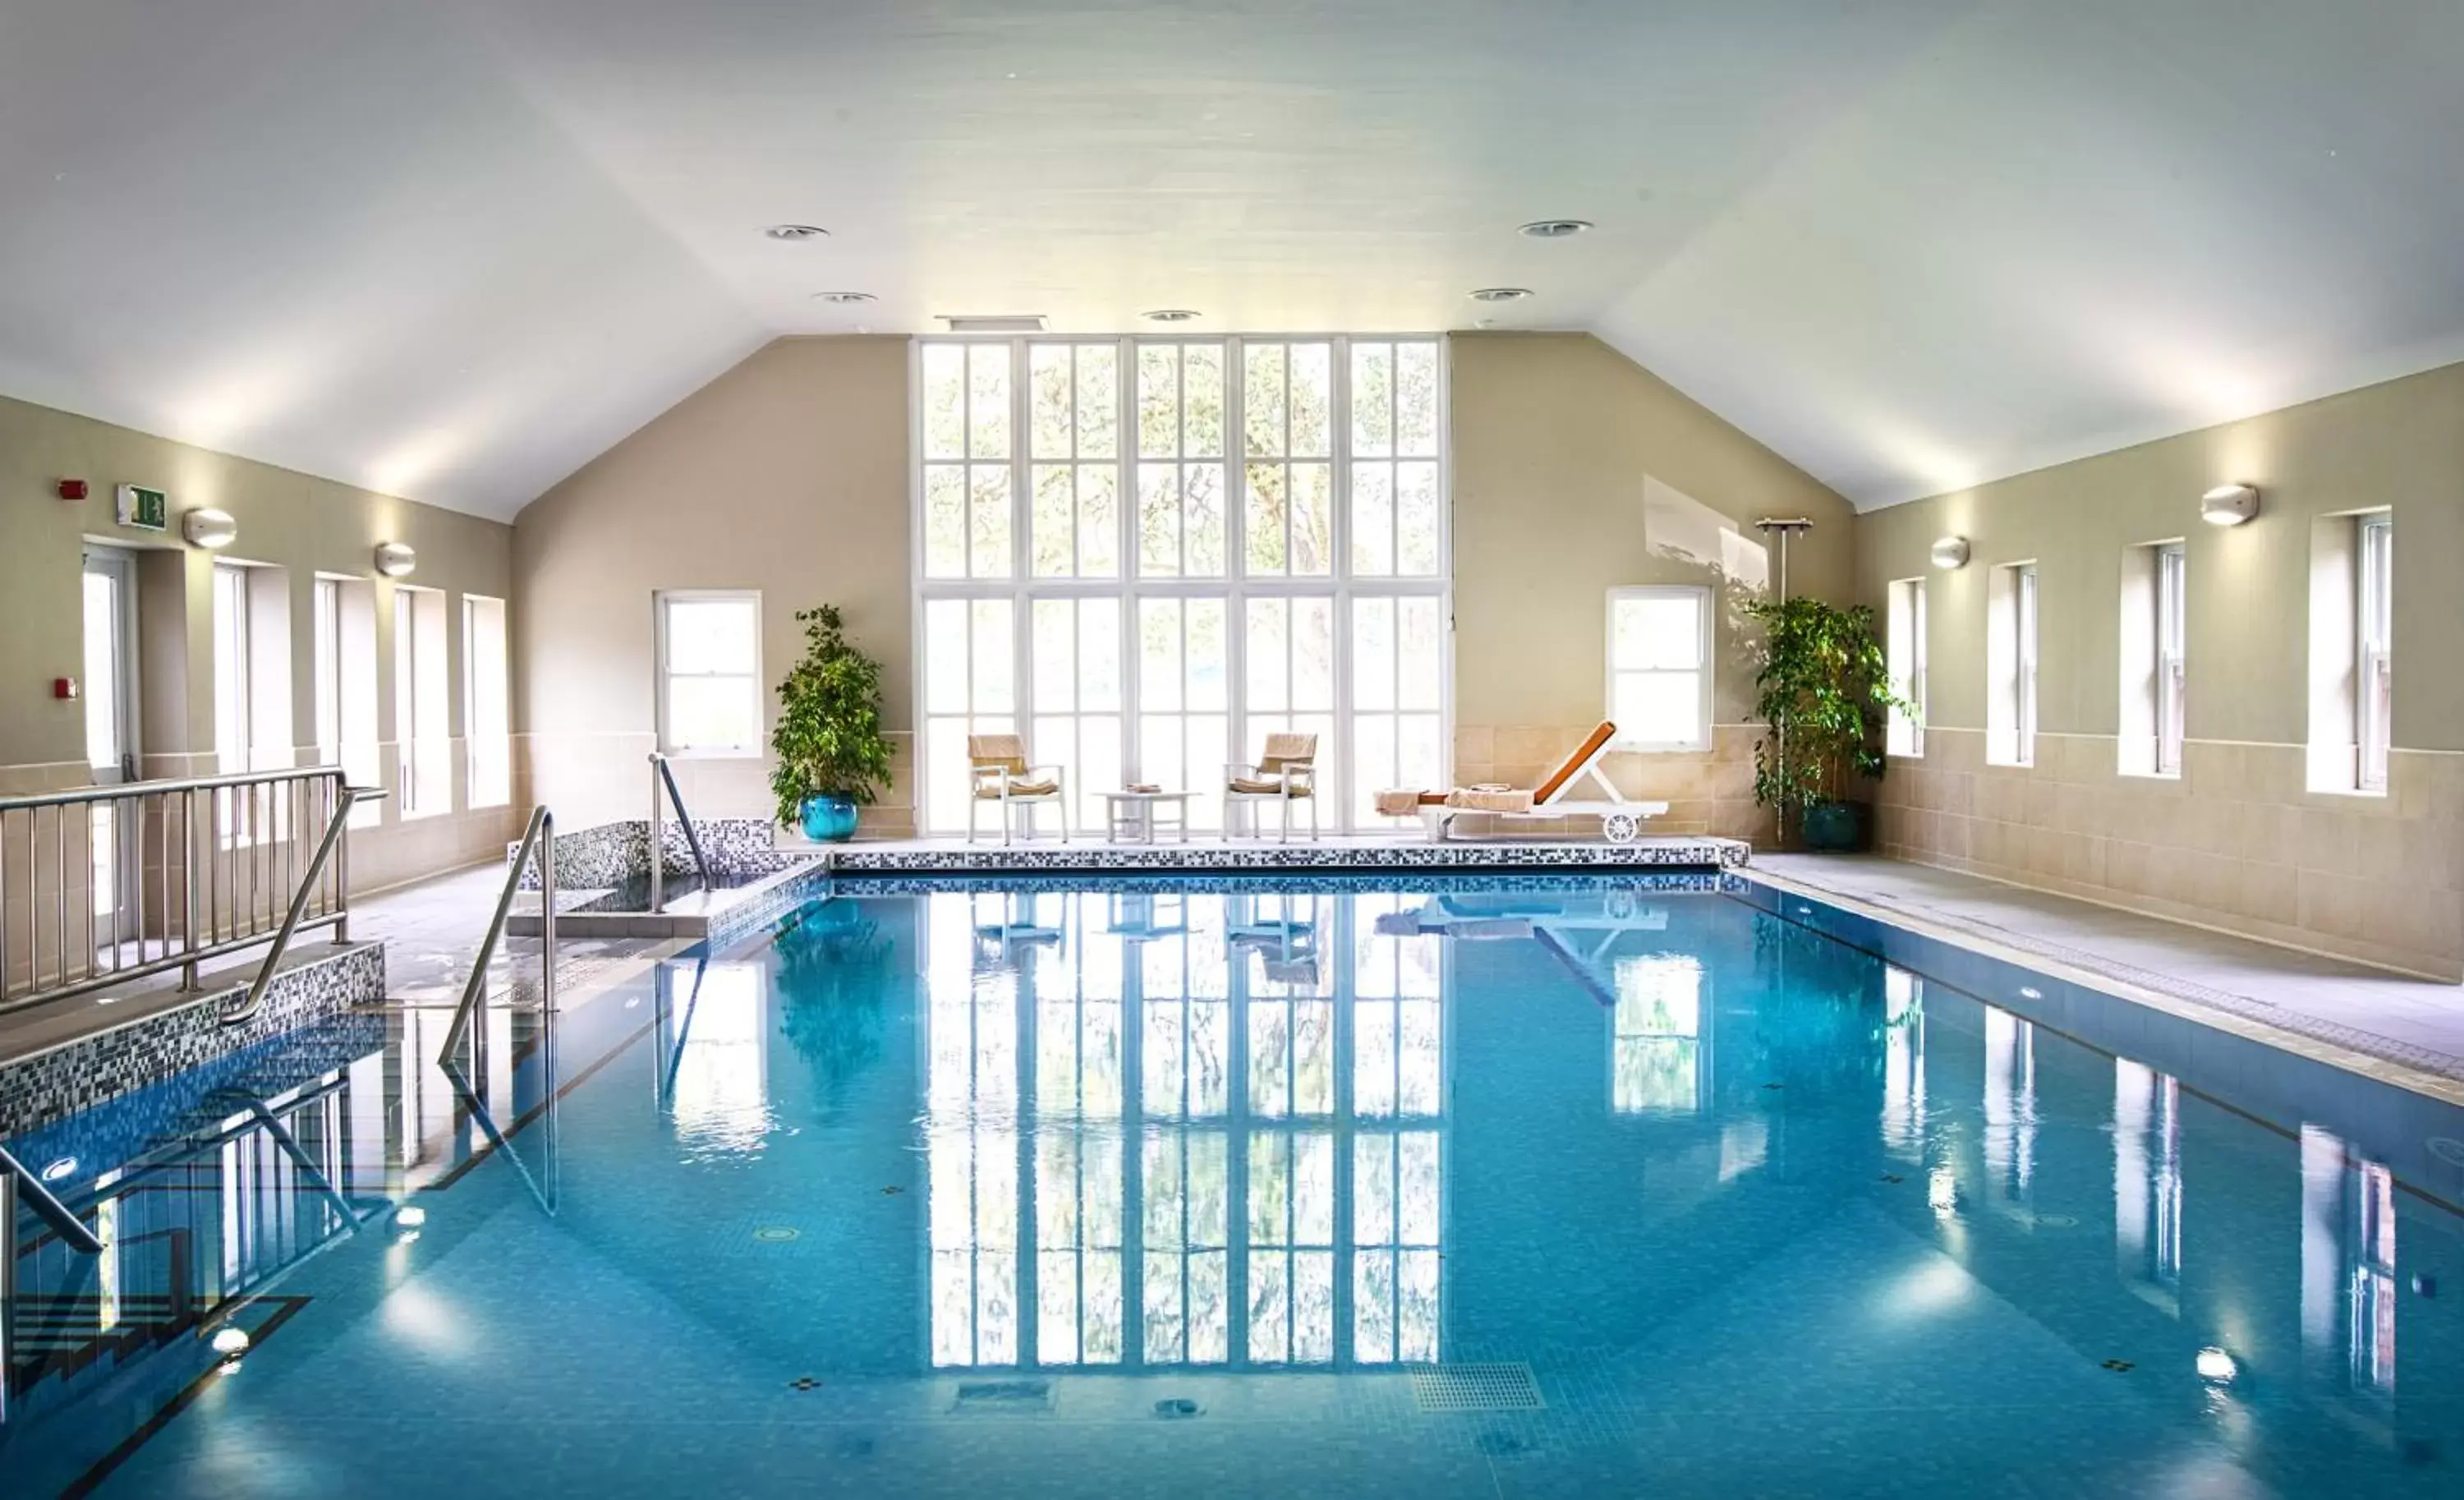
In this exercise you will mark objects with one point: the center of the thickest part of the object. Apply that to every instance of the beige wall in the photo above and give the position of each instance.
(286, 520)
(1570, 463)
(2237, 841)
(788, 474)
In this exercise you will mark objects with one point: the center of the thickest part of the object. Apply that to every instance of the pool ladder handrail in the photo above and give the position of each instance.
(538, 841)
(663, 778)
(347, 798)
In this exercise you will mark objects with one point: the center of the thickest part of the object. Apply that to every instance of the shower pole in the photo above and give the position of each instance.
(1786, 527)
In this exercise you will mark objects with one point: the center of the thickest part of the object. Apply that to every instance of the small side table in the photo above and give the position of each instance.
(1132, 817)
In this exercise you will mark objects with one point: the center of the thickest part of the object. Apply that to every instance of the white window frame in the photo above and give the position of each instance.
(2172, 641)
(1704, 670)
(233, 687)
(1906, 626)
(414, 794)
(659, 602)
(2373, 649)
(339, 677)
(2010, 656)
(1235, 586)
(487, 757)
(2023, 601)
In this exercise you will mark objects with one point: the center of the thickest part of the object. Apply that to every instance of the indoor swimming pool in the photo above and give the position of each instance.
(1330, 1186)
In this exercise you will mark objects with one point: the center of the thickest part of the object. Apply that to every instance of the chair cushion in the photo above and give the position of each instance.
(1251, 786)
(990, 792)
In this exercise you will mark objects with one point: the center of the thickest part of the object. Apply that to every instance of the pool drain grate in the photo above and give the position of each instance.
(1477, 1387)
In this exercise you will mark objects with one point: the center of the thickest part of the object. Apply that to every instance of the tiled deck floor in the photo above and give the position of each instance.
(2419, 1023)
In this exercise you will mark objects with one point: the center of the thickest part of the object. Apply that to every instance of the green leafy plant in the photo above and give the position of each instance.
(838, 980)
(828, 738)
(1823, 687)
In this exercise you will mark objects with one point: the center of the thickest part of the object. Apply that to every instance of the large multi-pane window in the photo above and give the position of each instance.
(1146, 555)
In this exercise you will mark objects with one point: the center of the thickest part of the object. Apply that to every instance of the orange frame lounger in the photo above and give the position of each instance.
(1620, 820)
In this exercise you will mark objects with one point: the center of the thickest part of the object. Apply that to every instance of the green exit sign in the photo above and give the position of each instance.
(144, 509)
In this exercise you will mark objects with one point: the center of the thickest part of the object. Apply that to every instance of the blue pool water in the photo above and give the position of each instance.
(1480, 1187)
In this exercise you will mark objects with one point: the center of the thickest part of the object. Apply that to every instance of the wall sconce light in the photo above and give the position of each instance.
(2229, 505)
(396, 558)
(211, 529)
(1950, 552)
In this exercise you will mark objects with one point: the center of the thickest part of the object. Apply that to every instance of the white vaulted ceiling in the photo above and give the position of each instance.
(454, 250)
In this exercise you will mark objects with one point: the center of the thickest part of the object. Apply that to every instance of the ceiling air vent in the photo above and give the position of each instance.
(997, 322)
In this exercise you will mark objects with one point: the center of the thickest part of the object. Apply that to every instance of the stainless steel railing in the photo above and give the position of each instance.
(663, 784)
(107, 884)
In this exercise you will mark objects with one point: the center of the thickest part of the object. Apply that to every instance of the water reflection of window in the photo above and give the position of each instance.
(1396, 1217)
(1078, 1156)
(1291, 1247)
(2348, 1259)
(971, 1142)
(722, 1088)
(1398, 1039)
(1185, 1055)
(2148, 1181)
(2009, 1107)
(1187, 1302)
(1903, 1085)
(1656, 1027)
(1290, 1010)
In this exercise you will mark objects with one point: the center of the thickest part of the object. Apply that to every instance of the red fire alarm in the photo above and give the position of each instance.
(64, 687)
(71, 489)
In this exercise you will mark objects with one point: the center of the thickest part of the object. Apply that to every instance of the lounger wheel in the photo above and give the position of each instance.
(1619, 827)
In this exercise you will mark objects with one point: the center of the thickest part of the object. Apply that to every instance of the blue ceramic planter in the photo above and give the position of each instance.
(829, 820)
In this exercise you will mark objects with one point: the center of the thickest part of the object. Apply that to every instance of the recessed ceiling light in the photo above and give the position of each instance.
(1171, 315)
(1501, 294)
(796, 231)
(993, 322)
(843, 298)
(1554, 229)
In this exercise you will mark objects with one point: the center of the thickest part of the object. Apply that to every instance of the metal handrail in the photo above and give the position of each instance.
(123, 790)
(309, 884)
(662, 773)
(538, 838)
(103, 885)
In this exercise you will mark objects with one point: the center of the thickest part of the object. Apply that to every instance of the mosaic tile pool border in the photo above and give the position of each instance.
(1670, 853)
(609, 853)
(93, 1069)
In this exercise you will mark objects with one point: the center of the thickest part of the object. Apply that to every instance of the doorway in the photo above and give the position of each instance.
(111, 733)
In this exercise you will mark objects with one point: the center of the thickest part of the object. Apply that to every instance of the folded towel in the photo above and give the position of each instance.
(1397, 804)
(1472, 799)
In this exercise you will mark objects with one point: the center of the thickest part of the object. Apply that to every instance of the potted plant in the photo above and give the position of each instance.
(832, 755)
(1824, 689)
